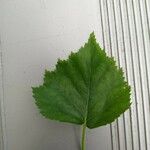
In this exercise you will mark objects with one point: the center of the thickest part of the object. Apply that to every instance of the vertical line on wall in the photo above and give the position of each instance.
(110, 42)
(140, 79)
(126, 69)
(128, 22)
(43, 4)
(130, 45)
(2, 109)
(146, 9)
(101, 17)
(1, 97)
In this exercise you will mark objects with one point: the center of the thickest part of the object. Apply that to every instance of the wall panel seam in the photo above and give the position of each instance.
(2, 107)
(1, 98)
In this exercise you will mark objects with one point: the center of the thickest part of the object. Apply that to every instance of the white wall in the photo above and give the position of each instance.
(35, 33)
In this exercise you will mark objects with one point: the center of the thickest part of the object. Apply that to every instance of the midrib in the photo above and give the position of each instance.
(89, 93)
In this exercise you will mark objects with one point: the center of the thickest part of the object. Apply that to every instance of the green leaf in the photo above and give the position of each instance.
(87, 88)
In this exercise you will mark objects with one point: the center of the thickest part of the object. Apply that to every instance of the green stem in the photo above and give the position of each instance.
(83, 146)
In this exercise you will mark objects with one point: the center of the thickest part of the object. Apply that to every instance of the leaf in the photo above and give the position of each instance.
(87, 88)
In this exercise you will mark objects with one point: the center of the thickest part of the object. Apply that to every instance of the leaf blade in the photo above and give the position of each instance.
(87, 88)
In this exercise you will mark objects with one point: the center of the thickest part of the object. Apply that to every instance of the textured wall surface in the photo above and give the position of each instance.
(126, 35)
(35, 33)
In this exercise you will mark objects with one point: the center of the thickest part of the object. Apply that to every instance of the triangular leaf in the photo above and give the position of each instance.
(87, 88)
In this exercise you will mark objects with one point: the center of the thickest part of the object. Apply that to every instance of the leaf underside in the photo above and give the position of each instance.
(87, 88)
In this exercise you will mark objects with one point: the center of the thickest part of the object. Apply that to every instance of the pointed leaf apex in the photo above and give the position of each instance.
(92, 37)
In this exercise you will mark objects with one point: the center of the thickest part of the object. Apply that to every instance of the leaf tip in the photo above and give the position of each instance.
(92, 36)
